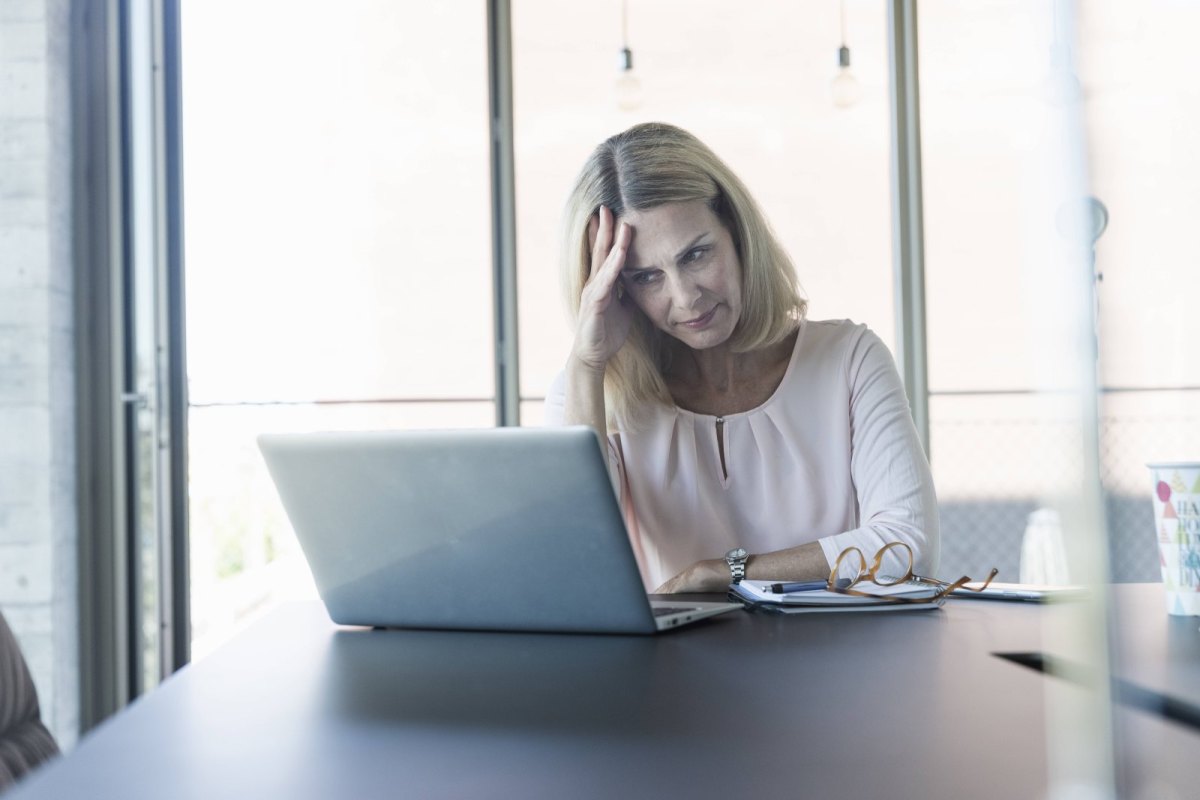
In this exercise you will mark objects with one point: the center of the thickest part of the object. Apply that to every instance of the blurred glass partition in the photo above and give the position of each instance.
(338, 254)
(758, 86)
(1014, 375)
(1137, 65)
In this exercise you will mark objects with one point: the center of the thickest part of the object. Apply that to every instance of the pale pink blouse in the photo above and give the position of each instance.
(832, 456)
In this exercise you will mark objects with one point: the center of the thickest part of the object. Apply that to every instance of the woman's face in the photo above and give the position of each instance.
(683, 272)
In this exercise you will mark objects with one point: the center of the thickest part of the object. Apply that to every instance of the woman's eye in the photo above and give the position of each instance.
(643, 278)
(695, 254)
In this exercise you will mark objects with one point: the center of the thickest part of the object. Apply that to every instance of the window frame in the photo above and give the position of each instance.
(102, 71)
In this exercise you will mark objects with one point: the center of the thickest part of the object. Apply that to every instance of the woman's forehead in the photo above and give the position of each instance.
(660, 233)
(671, 219)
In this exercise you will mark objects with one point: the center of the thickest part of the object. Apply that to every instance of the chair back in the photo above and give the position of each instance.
(24, 740)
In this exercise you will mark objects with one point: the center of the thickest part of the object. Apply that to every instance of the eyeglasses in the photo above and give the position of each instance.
(871, 573)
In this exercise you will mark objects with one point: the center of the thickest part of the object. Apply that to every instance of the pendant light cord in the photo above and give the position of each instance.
(844, 50)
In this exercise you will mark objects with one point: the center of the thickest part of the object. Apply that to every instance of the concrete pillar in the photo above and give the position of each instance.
(38, 528)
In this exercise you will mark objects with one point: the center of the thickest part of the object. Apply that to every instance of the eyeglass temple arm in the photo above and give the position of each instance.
(961, 583)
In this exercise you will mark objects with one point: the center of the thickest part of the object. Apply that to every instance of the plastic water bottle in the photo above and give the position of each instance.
(1043, 553)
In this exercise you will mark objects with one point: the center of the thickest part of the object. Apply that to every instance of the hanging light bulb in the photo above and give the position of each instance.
(628, 87)
(844, 86)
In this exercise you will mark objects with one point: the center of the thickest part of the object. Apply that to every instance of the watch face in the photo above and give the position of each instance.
(736, 554)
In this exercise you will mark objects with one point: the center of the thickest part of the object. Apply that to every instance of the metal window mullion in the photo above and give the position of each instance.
(161, 468)
(122, 667)
(166, 268)
(908, 236)
(176, 570)
(100, 398)
(124, 351)
(504, 250)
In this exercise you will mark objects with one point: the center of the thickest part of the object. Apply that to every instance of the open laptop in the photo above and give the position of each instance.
(513, 529)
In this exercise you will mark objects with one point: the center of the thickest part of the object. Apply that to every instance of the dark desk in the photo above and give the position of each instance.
(1155, 650)
(842, 705)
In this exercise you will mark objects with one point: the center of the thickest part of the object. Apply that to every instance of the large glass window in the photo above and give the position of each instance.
(339, 250)
(995, 446)
(1137, 66)
(338, 254)
(756, 87)
(986, 85)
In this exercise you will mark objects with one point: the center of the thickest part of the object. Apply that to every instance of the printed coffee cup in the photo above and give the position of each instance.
(1177, 519)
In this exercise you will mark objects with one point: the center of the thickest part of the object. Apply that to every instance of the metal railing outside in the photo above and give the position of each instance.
(992, 472)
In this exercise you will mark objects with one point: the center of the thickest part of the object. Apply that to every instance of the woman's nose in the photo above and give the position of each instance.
(684, 291)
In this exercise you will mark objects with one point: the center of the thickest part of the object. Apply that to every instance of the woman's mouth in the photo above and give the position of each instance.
(701, 321)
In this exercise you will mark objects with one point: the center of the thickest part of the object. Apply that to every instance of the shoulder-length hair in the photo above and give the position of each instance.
(650, 165)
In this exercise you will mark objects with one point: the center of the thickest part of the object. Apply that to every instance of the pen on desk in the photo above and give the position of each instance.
(804, 586)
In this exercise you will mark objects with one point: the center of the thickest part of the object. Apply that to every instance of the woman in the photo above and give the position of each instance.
(744, 439)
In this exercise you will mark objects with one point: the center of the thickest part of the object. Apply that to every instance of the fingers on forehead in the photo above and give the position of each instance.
(593, 229)
(601, 219)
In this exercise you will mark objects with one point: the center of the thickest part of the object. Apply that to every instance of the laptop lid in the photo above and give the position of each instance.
(489, 529)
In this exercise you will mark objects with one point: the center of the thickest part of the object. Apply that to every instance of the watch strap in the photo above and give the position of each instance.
(736, 559)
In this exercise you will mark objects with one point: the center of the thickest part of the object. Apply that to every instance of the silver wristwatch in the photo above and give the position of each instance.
(736, 559)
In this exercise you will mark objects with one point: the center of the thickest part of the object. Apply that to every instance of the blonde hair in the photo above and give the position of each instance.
(650, 165)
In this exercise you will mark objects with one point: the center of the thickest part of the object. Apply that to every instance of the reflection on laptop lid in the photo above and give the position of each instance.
(487, 529)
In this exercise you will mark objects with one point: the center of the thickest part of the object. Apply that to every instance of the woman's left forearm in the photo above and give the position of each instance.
(804, 562)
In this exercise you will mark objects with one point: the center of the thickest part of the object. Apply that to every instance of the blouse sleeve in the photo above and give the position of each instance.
(555, 408)
(892, 482)
(555, 411)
